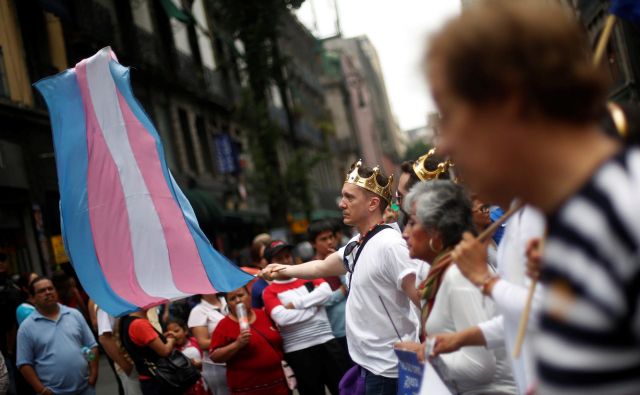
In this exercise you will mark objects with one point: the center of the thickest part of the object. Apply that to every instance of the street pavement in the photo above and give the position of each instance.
(107, 384)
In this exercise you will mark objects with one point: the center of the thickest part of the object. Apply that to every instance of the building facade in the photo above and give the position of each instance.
(377, 134)
(187, 74)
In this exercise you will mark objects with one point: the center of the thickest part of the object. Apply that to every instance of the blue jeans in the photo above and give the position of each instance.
(379, 385)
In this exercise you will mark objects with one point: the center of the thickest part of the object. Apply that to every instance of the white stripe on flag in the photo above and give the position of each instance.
(150, 253)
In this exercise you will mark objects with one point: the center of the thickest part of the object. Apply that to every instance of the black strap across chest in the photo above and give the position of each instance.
(367, 237)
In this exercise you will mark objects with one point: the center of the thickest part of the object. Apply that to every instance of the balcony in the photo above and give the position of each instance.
(148, 51)
(213, 84)
(279, 116)
(188, 73)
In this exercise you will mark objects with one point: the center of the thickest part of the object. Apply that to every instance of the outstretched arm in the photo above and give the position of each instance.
(330, 266)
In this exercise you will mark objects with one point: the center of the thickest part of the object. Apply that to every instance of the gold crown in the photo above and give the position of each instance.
(370, 183)
(424, 174)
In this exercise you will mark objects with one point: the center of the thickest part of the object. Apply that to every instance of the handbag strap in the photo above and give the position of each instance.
(265, 339)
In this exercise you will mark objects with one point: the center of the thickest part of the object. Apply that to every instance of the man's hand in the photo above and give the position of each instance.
(243, 338)
(471, 257)
(273, 271)
(534, 258)
(446, 343)
(418, 348)
(46, 391)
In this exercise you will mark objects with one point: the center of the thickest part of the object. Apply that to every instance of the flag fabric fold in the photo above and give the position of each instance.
(130, 232)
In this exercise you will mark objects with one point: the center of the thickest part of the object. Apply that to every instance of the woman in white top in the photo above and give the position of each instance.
(440, 212)
(203, 319)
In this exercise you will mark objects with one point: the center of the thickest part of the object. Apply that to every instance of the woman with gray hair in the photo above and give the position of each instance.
(439, 213)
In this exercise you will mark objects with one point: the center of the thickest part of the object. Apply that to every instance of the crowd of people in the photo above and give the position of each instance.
(525, 127)
(291, 323)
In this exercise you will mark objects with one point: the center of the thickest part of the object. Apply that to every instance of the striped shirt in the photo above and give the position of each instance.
(307, 324)
(590, 325)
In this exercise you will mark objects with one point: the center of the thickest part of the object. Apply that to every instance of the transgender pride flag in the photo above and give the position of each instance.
(131, 234)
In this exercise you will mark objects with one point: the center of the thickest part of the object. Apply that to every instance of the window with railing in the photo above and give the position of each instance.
(17, 87)
(142, 15)
(205, 143)
(189, 146)
(203, 33)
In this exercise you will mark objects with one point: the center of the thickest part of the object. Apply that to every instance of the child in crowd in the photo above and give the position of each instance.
(189, 347)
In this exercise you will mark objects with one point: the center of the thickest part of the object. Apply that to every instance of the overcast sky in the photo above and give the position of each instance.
(398, 29)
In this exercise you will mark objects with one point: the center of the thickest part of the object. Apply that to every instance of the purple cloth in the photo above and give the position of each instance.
(352, 382)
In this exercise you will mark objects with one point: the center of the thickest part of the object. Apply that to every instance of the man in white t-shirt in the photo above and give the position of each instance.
(124, 367)
(380, 275)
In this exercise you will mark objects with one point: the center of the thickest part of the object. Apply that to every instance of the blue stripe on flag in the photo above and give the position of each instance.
(223, 274)
(62, 95)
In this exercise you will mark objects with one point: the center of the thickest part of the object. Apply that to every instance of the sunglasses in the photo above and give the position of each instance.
(348, 251)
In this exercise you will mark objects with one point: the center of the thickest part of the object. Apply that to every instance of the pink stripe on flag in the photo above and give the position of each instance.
(108, 209)
(188, 271)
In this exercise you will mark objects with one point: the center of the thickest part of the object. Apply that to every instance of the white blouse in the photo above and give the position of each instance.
(471, 370)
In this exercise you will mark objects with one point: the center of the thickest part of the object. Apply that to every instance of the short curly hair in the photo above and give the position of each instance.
(529, 49)
(441, 206)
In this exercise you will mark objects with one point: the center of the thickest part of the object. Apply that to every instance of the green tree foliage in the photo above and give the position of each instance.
(256, 23)
(416, 150)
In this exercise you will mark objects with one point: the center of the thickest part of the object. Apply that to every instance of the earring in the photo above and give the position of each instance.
(432, 247)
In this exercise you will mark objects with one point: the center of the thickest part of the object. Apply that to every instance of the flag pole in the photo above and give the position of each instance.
(604, 39)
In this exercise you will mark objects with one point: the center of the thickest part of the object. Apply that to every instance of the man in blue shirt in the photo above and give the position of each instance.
(50, 346)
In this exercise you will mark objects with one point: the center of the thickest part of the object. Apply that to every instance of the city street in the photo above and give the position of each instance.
(107, 384)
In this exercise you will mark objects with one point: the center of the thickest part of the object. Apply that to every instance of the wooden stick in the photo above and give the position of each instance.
(524, 317)
(524, 320)
(491, 229)
(604, 39)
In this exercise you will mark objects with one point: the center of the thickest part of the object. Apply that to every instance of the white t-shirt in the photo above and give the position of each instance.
(206, 314)
(105, 322)
(191, 352)
(379, 271)
(471, 370)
